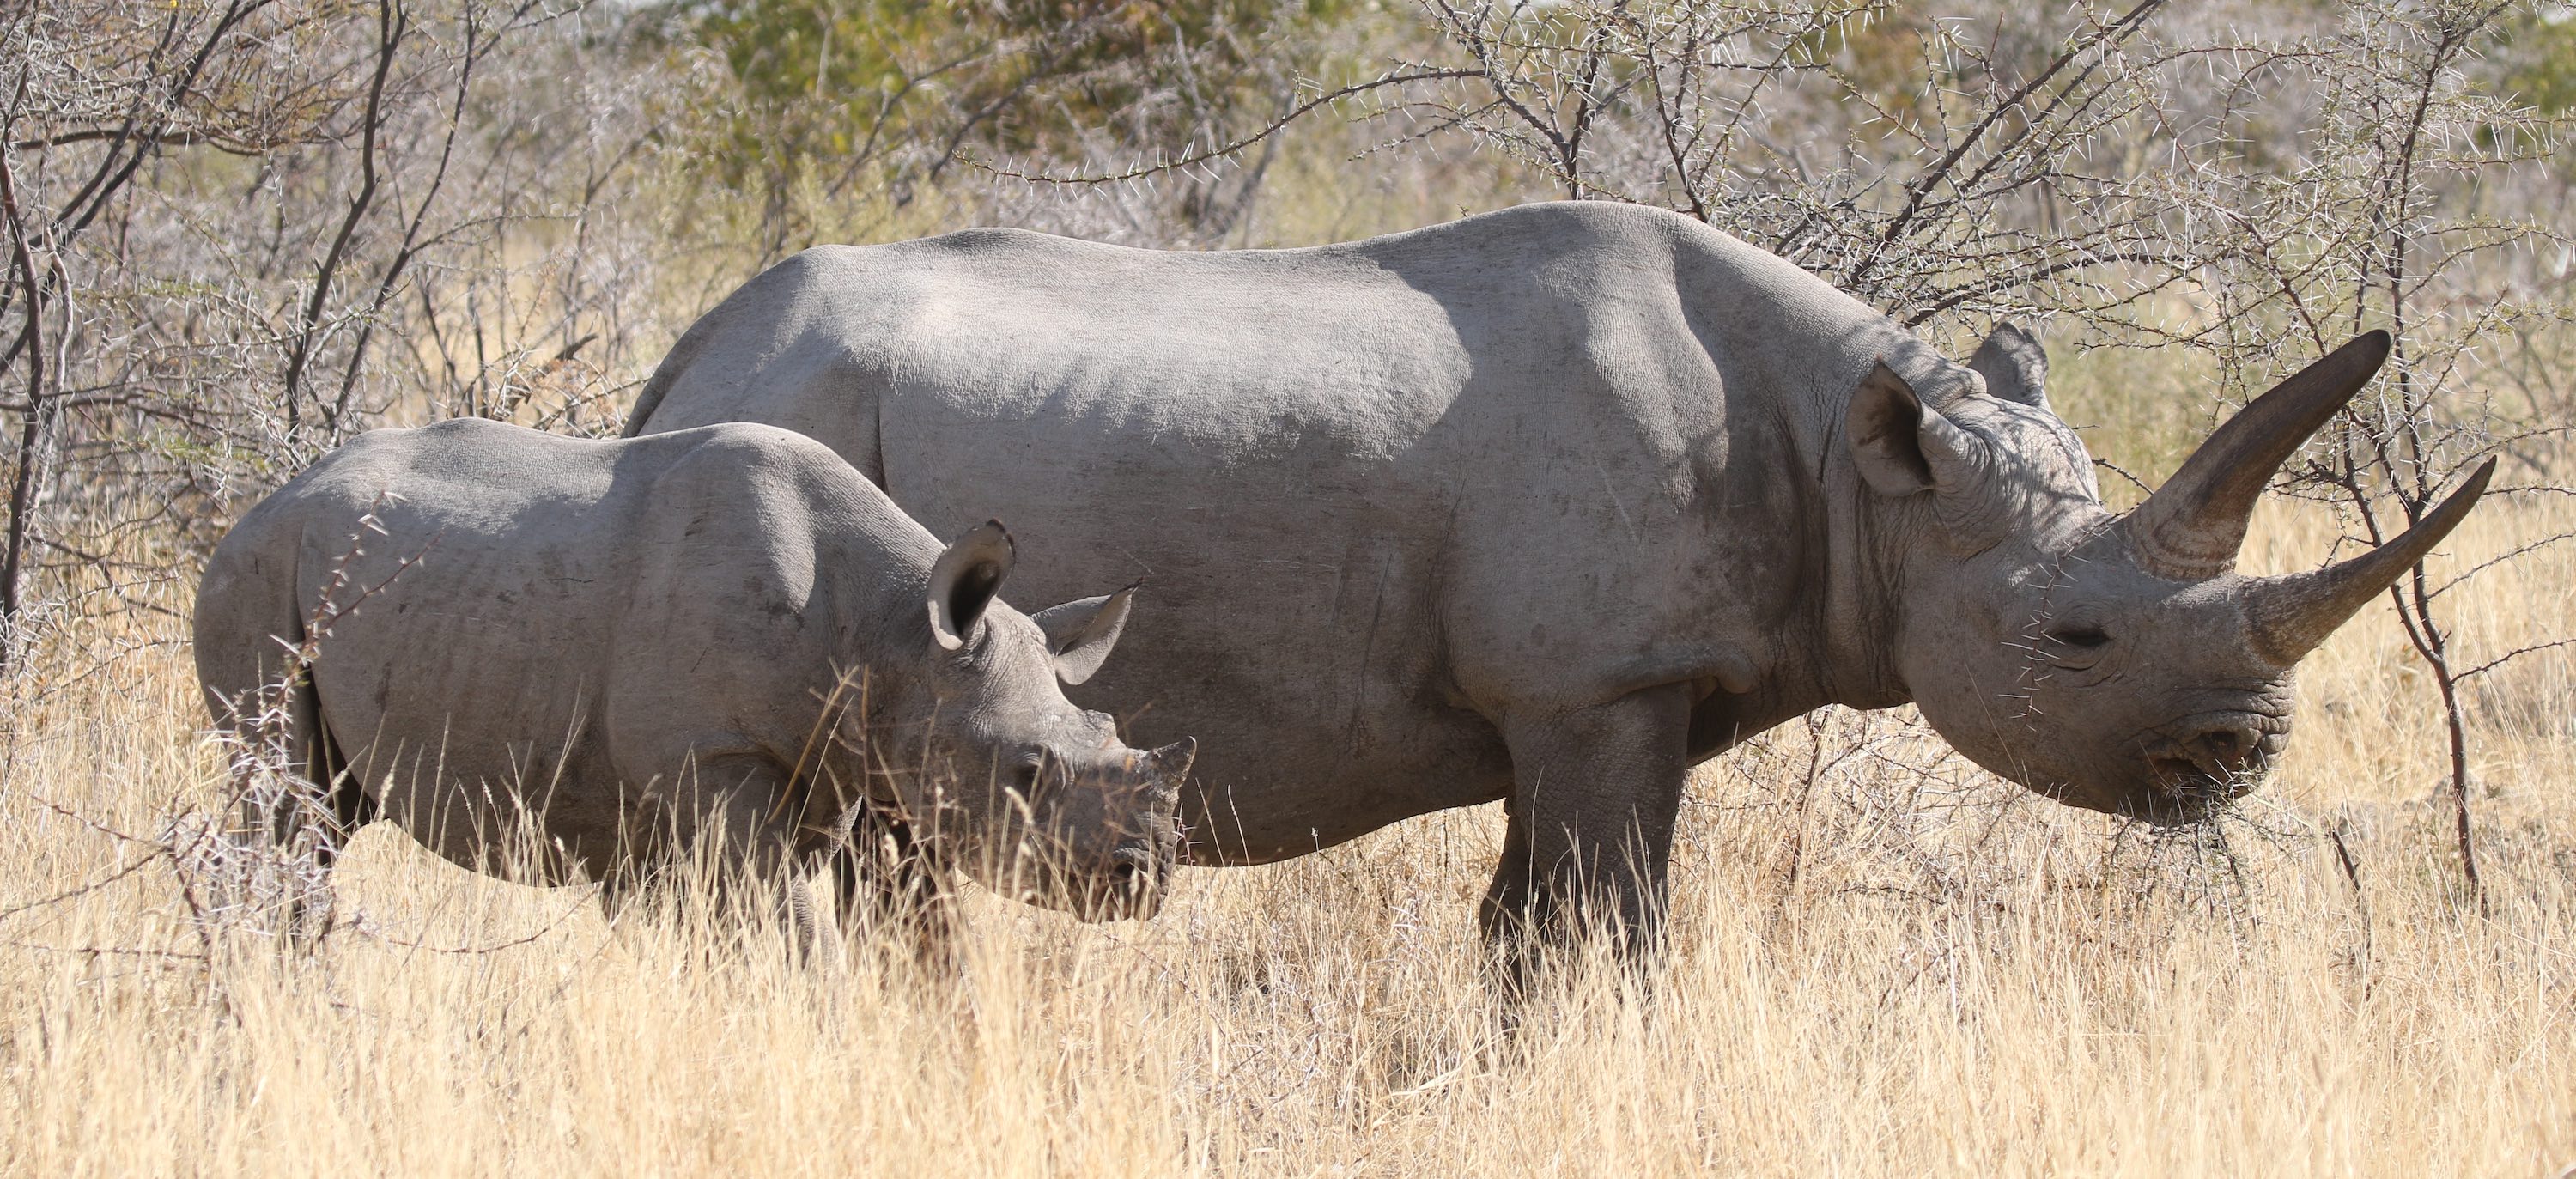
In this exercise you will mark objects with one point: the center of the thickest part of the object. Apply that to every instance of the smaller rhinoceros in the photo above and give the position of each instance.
(723, 641)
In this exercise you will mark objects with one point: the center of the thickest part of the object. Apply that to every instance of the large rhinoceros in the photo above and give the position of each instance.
(1546, 506)
(623, 649)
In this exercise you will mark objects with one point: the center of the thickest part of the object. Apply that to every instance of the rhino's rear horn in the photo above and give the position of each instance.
(2191, 528)
(2290, 615)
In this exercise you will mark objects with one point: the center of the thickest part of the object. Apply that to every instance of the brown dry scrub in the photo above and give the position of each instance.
(1881, 962)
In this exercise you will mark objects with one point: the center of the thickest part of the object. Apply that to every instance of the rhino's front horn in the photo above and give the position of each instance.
(2192, 526)
(1173, 761)
(2290, 615)
(1166, 768)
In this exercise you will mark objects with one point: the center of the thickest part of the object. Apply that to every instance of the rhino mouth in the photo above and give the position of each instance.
(2185, 792)
(1130, 887)
(2198, 766)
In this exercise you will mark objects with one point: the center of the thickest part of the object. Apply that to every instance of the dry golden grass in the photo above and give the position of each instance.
(1881, 963)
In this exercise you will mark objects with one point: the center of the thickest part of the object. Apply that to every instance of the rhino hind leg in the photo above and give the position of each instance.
(890, 888)
(1595, 795)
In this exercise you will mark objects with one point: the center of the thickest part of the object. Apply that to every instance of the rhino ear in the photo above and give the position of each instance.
(965, 579)
(1079, 634)
(1903, 446)
(2014, 365)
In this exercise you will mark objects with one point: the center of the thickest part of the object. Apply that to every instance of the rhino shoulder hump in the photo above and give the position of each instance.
(984, 238)
(749, 466)
(813, 272)
(754, 448)
(371, 462)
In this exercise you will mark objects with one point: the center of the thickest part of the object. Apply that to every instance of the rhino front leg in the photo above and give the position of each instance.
(1595, 794)
(738, 823)
(890, 886)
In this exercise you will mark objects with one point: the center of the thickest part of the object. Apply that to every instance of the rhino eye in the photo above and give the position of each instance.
(2080, 638)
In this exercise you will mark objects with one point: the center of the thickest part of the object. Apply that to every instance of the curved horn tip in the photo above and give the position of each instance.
(2292, 615)
(2438, 523)
(2454, 508)
(2191, 528)
(2470, 491)
(2368, 352)
(2485, 471)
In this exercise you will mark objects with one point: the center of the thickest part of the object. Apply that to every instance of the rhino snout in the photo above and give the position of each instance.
(1137, 873)
(2202, 761)
(1131, 885)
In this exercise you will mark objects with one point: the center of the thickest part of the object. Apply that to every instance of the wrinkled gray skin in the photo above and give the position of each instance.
(625, 648)
(1546, 505)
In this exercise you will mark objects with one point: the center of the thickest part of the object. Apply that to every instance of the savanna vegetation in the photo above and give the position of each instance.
(239, 231)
